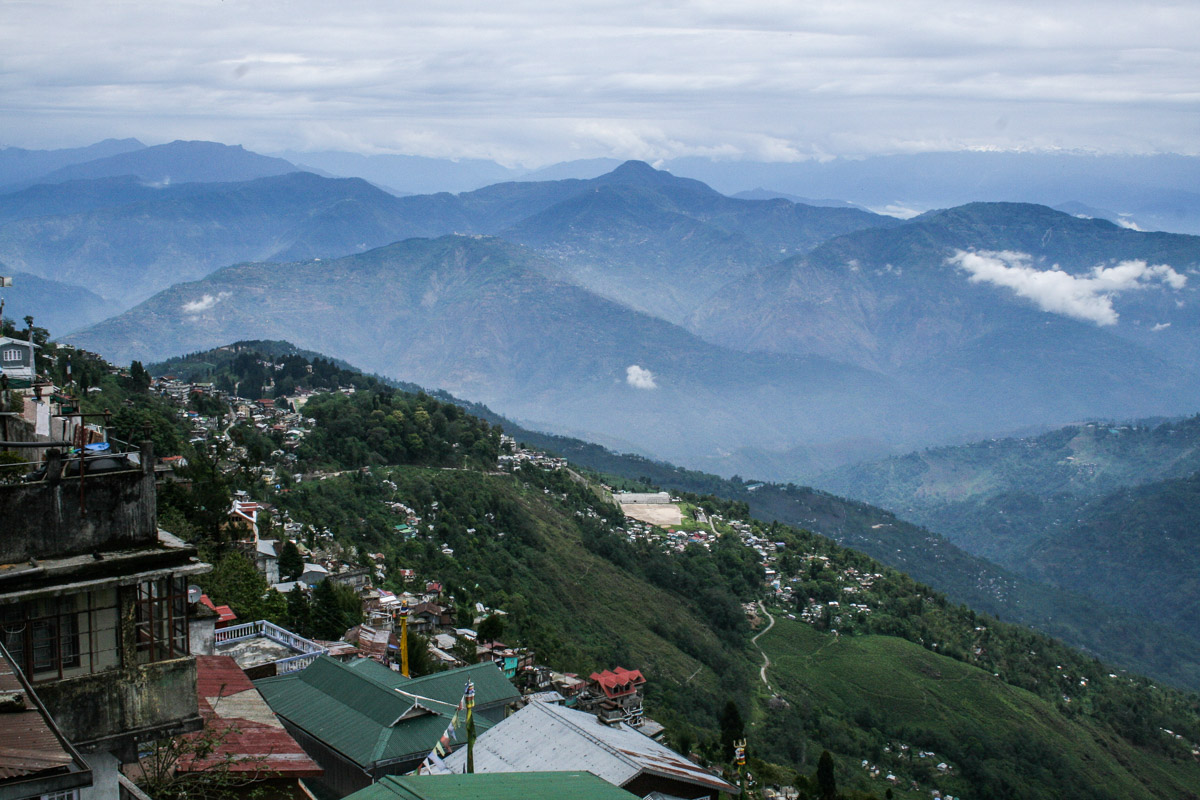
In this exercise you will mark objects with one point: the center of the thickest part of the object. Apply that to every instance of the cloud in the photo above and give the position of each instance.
(640, 378)
(531, 81)
(203, 304)
(1088, 297)
(1162, 326)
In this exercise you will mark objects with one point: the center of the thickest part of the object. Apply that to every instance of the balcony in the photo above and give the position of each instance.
(117, 709)
(263, 649)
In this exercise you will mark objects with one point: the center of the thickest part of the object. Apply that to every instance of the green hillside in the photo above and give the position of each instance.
(546, 545)
(1097, 623)
(997, 740)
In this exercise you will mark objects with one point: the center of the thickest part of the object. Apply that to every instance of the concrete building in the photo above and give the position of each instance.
(94, 611)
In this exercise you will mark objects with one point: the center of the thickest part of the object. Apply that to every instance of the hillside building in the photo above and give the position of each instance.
(18, 361)
(94, 611)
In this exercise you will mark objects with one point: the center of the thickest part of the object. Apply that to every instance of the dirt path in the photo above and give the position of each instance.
(762, 673)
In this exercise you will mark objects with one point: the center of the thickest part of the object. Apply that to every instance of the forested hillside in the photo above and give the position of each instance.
(584, 589)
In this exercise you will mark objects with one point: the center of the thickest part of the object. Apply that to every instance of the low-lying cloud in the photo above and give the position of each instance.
(203, 304)
(639, 377)
(1087, 297)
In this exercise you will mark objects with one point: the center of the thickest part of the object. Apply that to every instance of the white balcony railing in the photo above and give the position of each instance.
(306, 650)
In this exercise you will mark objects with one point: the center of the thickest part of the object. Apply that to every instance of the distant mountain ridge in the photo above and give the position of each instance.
(1104, 509)
(18, 165)
(484, 318)
(133, 237)
(177, 162)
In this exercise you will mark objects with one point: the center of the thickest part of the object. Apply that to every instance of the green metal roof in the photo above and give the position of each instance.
(354, 713)
(447, 687)
(494, 786)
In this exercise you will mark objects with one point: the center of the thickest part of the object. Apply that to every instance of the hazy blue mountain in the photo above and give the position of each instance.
(79, 196)
(403, 174)
(480, 317)
(1107, 510)
(58, 307)
(889, 299)
(998, 497)
(132, 237)
(663, 244)
(583, 168)
(1141, 545)
(177, 162)
(129, 240)
(18, 165)
(1158, 192)
(759, 193)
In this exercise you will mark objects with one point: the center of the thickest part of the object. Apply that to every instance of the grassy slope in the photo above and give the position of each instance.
(906, 687)
(565, 600)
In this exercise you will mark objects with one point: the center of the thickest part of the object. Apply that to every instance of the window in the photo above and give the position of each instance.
(161, 625)
(12, 354)
(43, 635)
(71, 794)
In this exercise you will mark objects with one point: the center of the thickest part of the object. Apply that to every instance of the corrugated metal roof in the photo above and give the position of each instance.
(355, 714)
(447, 687)
(249, 733)
(30, 747)
(542, 737)
(496, 786)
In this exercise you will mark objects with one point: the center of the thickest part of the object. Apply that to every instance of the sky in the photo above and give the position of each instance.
(532, 83)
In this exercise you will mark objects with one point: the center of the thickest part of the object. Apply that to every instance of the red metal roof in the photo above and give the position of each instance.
(619, 682)
(224, 612)
(249, 732)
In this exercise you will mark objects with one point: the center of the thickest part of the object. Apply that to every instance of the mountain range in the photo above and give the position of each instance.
(1103, 509)
(759, 336)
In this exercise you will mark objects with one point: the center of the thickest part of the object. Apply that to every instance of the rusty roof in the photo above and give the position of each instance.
(31, 746)
(250, 736)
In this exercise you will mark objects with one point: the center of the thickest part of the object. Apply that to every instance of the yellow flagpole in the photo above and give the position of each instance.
(404, 638)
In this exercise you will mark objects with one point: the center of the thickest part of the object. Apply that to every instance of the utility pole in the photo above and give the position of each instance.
(469, 695)
(404, 638)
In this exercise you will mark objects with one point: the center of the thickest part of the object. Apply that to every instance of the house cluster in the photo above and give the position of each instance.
(513, 455)
(105, 649)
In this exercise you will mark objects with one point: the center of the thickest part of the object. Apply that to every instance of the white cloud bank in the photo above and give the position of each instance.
(639, 377)
(1088, 297)
(206, 302)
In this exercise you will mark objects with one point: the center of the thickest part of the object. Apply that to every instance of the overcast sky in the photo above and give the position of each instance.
(536, 82)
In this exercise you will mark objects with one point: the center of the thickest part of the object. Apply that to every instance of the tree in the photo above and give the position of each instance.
(210, 773)
(291, 564)
(420, 660)
(335, 609)
(236, 582)
(826, 781)
(732, 729)
(139, 378)
(491, 628)
(299, 614)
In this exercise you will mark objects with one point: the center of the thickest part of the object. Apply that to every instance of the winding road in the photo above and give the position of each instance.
(766, 660)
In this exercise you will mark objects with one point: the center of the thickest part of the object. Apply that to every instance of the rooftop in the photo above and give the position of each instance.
(251, 737)
(35, 758)
(497, 786)
(354, 712)
(545, 737)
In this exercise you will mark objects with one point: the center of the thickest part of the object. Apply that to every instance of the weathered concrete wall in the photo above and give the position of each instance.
(44, 519)
(107, 708)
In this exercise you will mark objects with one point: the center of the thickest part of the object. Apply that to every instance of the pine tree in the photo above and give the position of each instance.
(826, 781)
(291, 564)
(732, 729)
